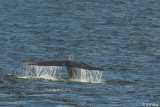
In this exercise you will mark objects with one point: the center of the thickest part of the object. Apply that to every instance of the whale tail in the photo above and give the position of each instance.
(71, 66)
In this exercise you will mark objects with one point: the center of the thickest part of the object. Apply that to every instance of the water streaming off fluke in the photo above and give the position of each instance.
(82, 75)
(46, 72)
(55, 73)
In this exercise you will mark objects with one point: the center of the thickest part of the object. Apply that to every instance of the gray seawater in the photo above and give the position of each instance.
(122, 36)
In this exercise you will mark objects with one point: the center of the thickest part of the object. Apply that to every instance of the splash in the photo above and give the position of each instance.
(82, 75)
(46, 72)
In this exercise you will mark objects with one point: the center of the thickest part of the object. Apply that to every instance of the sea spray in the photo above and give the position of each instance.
(47, 72)
(82, 75)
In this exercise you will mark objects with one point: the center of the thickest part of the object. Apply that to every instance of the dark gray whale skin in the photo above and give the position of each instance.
(70, 64)
(67, 63)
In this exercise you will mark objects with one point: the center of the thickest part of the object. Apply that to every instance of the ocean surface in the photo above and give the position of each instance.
(122, 36)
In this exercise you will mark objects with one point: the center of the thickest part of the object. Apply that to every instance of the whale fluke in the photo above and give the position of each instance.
(70, 64)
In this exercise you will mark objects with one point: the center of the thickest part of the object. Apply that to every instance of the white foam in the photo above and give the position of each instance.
(52, 90)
